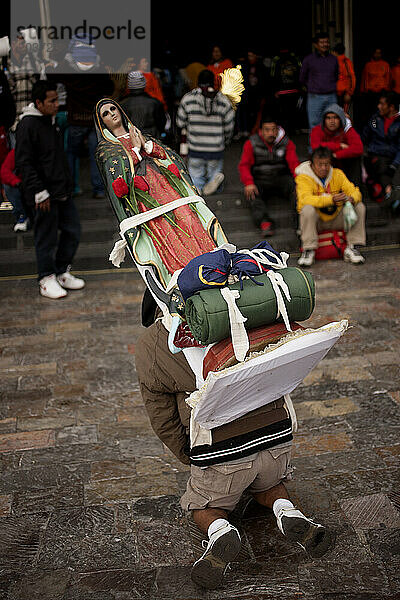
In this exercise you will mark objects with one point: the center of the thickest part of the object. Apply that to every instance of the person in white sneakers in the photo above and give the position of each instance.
(47, 186)
(322, 192)
(251, 453)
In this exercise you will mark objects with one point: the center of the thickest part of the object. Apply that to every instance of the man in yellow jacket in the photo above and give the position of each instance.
(322, 192)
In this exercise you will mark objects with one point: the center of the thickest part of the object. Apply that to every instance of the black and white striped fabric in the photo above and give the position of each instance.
(242, 445)
(209, 122)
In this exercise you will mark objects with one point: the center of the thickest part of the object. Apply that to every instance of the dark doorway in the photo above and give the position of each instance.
(189, 31)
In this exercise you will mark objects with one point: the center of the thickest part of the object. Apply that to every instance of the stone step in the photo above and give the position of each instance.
(17, 254)
(101, 230)
(90, 255)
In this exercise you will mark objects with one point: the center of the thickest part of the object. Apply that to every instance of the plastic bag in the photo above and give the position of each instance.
(349, 216)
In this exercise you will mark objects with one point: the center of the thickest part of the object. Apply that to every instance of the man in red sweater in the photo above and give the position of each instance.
(337, 133)
(266, 169)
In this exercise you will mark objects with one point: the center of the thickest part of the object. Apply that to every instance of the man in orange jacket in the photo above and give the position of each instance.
(375, 79)
(346, 83)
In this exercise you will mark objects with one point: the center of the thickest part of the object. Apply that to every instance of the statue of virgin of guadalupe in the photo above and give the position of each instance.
(141, 174)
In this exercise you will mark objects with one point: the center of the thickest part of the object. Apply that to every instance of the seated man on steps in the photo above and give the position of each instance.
(252, 452)
(267, 168)
(322, 192)
(381, 136)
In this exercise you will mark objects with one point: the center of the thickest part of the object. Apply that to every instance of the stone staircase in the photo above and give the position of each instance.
(100, 227)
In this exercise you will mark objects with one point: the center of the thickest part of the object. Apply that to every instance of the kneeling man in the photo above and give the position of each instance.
(252, 452)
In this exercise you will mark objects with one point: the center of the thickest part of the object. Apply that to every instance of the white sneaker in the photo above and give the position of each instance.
(70, 282)
(352, 255)
(21, 225)
(307, 258)
(214, 184)
(50, 288)
(222, 547)
(314, 538)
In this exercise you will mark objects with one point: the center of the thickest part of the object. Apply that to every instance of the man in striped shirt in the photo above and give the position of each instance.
(208, 118)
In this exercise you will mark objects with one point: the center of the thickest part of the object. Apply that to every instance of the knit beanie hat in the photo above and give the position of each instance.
(83, 49)
(136, 80)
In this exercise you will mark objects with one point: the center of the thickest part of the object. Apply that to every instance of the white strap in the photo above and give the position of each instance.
(240, 340)
(117, 254)
(260, 255)
(226, 246)
(140, 218)
(291, 410)
(277, 282)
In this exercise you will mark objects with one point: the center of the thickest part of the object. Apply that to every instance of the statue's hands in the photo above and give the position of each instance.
(136, 137)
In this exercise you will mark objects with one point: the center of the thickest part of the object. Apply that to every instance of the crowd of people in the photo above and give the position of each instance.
(356, 122)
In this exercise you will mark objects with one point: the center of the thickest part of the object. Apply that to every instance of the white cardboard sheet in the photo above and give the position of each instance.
(262, 378)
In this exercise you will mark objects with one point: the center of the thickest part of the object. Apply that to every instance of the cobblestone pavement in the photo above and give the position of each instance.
(89, 497)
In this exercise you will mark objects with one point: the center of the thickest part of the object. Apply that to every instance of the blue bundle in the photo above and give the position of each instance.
(205, 271)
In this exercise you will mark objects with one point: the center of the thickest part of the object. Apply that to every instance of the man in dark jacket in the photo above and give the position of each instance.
(251, 452)
(145, 112)
(285, 71)
(257, 87)
(266, 168)
(381, 137)
(86, 82)
(47, 186)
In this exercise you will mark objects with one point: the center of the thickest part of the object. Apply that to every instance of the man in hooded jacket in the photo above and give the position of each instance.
(337, 133)
(47, 187)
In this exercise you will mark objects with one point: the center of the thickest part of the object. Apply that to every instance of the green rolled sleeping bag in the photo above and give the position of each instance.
(207, 312)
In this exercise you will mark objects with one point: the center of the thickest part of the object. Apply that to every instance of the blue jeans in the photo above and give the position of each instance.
(202, 170)
(316, 104)
(14, 196)
(76, 135)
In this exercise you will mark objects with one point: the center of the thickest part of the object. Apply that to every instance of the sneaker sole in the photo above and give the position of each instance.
(353, 262)
(53, 297)
(212, 186)
(315, 539)
(209, 570)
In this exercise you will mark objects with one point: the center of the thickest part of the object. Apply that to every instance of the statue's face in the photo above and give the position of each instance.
(111, 116)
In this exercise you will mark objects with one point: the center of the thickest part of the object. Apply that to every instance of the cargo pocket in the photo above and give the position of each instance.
(283, 455)
(223, 479)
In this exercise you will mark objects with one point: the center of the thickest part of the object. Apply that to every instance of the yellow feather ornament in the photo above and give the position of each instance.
(232, 85)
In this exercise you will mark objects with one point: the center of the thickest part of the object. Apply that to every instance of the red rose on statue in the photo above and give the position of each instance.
(120, 187)
(174, 169)
(140, 183)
